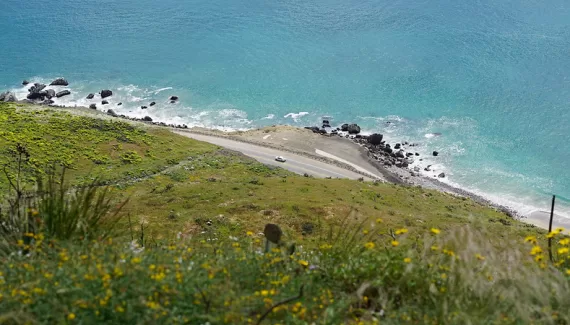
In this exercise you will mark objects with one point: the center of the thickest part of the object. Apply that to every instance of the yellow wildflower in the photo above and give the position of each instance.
(136, 260)
(395, 243)
(435, 248)
(567, 271)
(369, 245)
(326, 246)
(120, 309)
(530, 239)
(535, 250)
(401, 231)
(264, 293)
(407, 260)
(551, 234)
(564, 242)
(435, 231)
(303, 263)
(365, 231)
(249, 233)
(379, 220)
(559, 230)
(71, 316)
(563, 250)
(539, 258)
(480, 257)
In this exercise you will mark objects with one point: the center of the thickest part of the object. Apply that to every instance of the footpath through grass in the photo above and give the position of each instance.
(364, 252)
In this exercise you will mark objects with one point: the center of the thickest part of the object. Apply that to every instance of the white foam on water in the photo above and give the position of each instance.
(268, 117)
(296, 116)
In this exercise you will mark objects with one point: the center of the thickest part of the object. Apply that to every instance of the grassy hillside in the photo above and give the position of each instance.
(364, 252)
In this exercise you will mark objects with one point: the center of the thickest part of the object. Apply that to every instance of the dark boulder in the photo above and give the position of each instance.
(344, 127)
(442, 175)
(152, 104)
(90, 96)
(93, 106)
(50, 93)
(172, 102)
(119, 104)
(387, 150)
(144, 107)
(106, 93)
(375, 139)
(36, 95)
(417, 154)
(147, 119)
(400, 154)
(112, 113)
(25, 82)
(59, 82)
(47, 102)
(397, 146)
(36, 88)
(323, 131)
(353, 129)
(104, 102)
(63, 93)
(409, 154)
(435, 153)
(173, 98)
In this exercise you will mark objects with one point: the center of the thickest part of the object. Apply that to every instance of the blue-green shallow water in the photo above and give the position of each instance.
(492, 76)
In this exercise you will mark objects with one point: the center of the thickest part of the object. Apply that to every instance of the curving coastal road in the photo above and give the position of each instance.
(295, 163)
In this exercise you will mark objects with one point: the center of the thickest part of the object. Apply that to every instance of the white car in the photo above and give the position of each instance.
(280, 159)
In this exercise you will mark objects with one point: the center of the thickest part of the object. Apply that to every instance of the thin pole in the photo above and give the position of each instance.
(550, 227)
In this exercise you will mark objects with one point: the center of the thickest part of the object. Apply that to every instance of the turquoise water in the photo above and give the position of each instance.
(492, 76)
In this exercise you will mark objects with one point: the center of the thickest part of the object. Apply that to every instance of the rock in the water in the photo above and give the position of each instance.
(417, 154)
(344, 127)
(152, 104)
(63, 93)
(8, 97)
(147, 119)
(50, 93)
(59, 82)
(93, 106)
(375, 139)
(104, 102)
(435, 153)
(36, 88)
(442, 175)
(173, 98)
(144, 107)
(112, 113)
(90, 96)
(353, 129)
(25, 82)
(397, 146)
(400, 154)
(36, 95)
(106, 93)
(119, 104)
(172, 102)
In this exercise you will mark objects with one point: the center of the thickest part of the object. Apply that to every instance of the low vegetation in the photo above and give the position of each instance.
(163, 229)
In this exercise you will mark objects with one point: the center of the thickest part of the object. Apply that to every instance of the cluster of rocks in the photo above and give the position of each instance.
(400, 155)
(38, 93)
(8, 97)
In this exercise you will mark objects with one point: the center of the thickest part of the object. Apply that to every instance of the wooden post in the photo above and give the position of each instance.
(550, 228)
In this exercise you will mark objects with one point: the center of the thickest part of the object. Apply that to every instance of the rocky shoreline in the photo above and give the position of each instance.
(393, 161)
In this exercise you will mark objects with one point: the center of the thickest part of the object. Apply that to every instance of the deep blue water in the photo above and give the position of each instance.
(492, 76)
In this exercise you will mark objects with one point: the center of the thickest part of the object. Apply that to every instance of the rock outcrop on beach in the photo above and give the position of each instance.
(112, 113)
(8, 97)
(50, 93)
(173, 98)
(147, 119)
(375, 139)
(353, 129)
(63, 93)
(93, 106)
(90, 96)
(59, 82)
(106, 93)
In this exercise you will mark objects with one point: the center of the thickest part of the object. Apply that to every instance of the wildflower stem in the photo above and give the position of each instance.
(550, 228)
(204, 298)
(288, 300)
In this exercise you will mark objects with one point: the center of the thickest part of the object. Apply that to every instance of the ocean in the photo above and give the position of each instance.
(493, 77)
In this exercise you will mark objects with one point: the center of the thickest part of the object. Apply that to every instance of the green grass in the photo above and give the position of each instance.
(477, 270)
